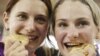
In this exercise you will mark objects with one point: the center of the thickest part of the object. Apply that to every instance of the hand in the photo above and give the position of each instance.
(76, 52)
(90, 49)
(15, 49)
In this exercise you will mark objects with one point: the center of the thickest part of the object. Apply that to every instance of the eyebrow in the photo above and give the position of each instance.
(37, 14)
(42, 15)
(23, 13)
(45, 17)
(81, 19)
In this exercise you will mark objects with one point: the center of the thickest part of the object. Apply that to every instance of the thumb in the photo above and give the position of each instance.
(8, 42)
(90, 50)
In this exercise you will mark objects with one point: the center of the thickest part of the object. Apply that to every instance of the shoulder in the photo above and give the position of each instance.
(46, 51)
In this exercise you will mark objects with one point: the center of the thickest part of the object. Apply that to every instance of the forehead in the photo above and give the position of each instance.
(73, 9)
(29, 6)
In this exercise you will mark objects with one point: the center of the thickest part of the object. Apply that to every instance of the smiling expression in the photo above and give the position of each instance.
(29, 18)
(74, 25)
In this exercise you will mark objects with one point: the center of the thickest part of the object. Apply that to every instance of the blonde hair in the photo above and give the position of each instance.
(96, 14)
(95, 10)
(49, 51)
(92, 5)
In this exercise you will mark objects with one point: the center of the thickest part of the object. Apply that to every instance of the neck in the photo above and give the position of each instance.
(31, 51)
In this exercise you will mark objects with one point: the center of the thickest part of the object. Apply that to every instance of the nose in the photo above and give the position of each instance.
(30, 26)
(72, 34)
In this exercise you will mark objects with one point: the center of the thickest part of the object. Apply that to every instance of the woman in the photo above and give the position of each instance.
(28, 18)
(76, 23)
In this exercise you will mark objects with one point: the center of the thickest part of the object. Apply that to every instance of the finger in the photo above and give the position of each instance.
(8, 42)
(22, 53)
(15, 45)
(20, 48)
(19, 51)
(91, 52)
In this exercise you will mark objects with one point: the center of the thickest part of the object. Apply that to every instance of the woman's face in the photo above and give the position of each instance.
(29, 17)
(74, 25)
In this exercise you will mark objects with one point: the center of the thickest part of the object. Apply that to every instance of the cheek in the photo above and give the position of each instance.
(59, 35)
(43, 30)
(15, 26)
(88, 35)
(92, 32)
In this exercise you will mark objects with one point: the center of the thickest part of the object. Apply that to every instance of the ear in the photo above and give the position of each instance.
(5, 20)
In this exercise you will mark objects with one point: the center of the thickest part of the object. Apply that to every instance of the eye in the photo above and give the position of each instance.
(22, 17)
(41, 19)
(82, 24)
(62, 24)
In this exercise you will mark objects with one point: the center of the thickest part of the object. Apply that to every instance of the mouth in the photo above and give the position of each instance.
(71, 45)
(32, 37)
